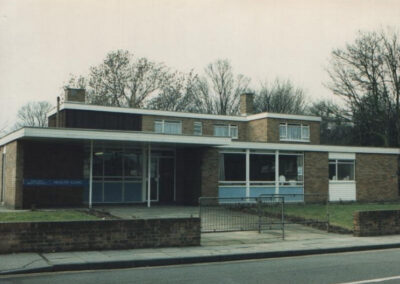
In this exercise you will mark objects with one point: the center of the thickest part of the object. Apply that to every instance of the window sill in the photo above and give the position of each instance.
(292, 140)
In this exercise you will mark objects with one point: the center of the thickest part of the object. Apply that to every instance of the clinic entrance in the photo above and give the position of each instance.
(163, 178)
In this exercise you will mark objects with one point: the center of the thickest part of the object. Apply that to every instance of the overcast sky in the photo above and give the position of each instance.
(43, 41)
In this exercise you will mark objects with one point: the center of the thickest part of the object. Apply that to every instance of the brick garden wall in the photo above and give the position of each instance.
(98, 235)
(376, 177)
(376, 223)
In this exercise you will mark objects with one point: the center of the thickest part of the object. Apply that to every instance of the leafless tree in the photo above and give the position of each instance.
(33, 114)
(281, 97)
(219, 90)
(177, 94)
(122, 80)
(366, 74)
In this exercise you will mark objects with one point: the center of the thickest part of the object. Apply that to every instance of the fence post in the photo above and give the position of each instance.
(283, 217)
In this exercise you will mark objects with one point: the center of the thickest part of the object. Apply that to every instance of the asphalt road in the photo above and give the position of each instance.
(374, 266)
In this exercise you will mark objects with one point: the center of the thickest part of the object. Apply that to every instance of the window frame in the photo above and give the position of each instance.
(342, 162)
(199, 124)
(163, 121)
(230, 127)
(302, 127)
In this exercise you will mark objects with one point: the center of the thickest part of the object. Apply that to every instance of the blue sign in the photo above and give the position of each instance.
(54, 182)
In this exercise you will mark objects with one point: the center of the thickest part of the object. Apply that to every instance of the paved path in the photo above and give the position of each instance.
(34, 262)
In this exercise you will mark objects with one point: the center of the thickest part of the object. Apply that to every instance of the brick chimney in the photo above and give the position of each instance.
(246, 104)
(74, 95)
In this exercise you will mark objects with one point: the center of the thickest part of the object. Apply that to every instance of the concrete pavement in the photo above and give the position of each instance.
(215, 247)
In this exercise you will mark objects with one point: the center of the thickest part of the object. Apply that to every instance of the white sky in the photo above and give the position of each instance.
(43, 41)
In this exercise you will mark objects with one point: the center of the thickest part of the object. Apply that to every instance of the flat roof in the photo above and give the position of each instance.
(81, 106)
(110, 135)
(69, 134)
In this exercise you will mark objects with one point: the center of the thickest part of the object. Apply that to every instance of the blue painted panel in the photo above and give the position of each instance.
(257, 191)
(133, 192)
(112, 192)
(54, 182)
(231, 191)
(97, 192)
(292, 194)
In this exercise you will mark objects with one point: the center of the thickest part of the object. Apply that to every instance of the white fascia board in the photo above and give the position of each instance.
(283, 116)
(12, 136)
(54, 133)
(80, 106)
(310, 148)
(341, 156)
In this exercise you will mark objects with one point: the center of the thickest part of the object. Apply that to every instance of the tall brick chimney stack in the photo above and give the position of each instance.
(74, 95)
(246, 104)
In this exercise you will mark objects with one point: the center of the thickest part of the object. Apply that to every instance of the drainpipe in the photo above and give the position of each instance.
(148, 175)
(58, 113)
(91, 175)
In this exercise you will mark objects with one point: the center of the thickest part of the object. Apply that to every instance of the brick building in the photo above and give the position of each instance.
(107, 155)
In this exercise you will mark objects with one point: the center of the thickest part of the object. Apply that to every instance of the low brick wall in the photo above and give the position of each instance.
(98, 235)
(376, 223)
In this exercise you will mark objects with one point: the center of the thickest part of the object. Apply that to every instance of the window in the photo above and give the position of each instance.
(262, 167)
(290, 168)
(342, 170)
(232, 167)
(197, 128)
(294, 132)
(168, 127)
(226, 131)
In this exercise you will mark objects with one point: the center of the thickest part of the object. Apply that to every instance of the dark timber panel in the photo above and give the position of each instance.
(70, 118)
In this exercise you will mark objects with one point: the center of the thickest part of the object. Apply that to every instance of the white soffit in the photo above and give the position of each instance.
(79, 106)
(342, 156)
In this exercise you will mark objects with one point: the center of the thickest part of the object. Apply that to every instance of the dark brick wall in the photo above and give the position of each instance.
(376, 223)
(52, 161)
(209, 172)
(98, 235)
(377, 177)
(97, 120)
(316, 176)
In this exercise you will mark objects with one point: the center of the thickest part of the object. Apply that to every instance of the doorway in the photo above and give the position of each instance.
(162, 182)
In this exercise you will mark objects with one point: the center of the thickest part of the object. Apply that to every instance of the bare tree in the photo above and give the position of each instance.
(177, 94)
(366, 75)
(281, 97)
(33, 114)
(219, 90)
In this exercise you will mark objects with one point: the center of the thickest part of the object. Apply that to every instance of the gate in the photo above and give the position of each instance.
(242, 214)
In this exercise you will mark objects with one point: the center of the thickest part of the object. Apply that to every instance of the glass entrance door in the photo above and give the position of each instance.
(154, 178)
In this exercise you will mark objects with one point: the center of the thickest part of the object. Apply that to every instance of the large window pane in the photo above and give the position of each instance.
(345, 171)
(172, 127)
(158, 126)
(221, 130)
(113, 163)
(262, 167)
(294, 132)
(232, 167)
(132, 165)
(290, 168)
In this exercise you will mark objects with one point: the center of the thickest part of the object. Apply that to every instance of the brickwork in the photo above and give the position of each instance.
(246, 104)
(376, 177)
(187, 125)
(376, 223)
(257, 130)
(209, 173)
(273, 130)
(13, 175)
(98, 235)
(316, 176)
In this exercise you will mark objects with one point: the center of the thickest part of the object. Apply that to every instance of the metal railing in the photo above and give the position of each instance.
(242, 214)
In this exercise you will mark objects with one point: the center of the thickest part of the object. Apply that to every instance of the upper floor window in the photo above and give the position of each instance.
(294, 132)
(197, 128)
(226, 131)
(168, 127)
(341, 170)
